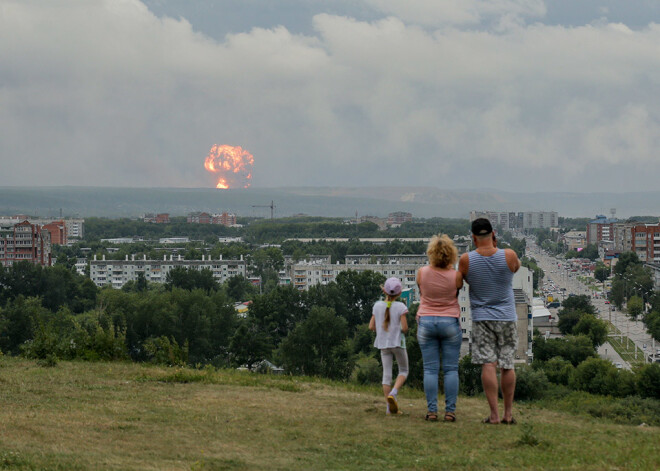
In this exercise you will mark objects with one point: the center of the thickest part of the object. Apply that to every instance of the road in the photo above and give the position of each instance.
(563, 278)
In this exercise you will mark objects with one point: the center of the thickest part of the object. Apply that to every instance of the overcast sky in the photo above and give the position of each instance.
(520, 95)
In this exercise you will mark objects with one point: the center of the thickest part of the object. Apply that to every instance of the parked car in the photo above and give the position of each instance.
(554, 304)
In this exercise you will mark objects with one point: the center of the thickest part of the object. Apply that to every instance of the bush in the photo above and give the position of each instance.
(469, 376)
(165, 351)
(557, 370)
(530, 384)
(368, 371)
(629, 410)
(593, 375)
(648, 380)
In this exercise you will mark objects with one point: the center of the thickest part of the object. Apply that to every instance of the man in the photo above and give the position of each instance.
(489, 272)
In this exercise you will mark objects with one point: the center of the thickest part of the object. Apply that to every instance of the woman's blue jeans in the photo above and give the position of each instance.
(437, 334)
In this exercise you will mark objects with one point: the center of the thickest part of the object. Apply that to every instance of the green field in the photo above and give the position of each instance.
(128, 416)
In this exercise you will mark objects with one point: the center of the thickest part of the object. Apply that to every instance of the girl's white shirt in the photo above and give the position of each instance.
(391, 337)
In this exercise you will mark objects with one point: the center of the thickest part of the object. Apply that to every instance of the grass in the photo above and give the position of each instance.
(126, 416)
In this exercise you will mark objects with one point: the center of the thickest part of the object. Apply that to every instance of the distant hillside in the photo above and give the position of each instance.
(323, 201)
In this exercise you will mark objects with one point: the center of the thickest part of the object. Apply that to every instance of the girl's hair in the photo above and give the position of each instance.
(441, 251)
(388, 300)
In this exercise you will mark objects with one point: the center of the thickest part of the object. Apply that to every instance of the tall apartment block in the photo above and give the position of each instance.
(646, 242)
(508, 220)
(25, 242)
(601, 229)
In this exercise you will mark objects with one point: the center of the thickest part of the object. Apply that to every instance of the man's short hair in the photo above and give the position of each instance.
(481, 227)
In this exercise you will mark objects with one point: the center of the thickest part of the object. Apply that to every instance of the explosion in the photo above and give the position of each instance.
(232, 164)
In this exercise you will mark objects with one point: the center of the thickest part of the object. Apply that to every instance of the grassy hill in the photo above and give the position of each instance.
(130, 416)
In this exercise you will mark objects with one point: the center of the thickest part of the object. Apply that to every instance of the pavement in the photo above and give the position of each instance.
(606, 352)
(634, 330)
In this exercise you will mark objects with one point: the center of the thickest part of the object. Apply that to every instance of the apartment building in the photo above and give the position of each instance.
(160, 218)
(25, 242)
(622, 236)
(117, 273)
(655, 274)
(645, 240)
(74, 227)
(575, 240)
(398, 217)
(508, 220)
(601, 228)
(58, 232)
(225, 219)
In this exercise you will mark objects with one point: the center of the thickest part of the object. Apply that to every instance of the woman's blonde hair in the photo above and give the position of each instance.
(441, 251)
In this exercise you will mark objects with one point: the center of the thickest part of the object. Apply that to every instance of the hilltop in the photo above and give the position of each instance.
(133, 416)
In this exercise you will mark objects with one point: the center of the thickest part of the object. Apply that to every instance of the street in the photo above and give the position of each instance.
(558, 274)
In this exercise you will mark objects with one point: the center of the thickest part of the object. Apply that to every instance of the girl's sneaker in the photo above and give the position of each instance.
(394, 406)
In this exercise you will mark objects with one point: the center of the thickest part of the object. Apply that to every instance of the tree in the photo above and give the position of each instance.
(625, 260)
(574, 348)
(318, 346)
(593, 328)
(568, 321)
(239, 288)
(601, 273)
(590, 252)
(360, 290)
(190, 279)
(580, 303)
(635, 306)
(249, 345)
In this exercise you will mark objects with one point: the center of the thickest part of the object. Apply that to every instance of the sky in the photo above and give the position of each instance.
(516, 95)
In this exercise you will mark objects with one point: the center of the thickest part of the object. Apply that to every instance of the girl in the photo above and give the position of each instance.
(388, 321)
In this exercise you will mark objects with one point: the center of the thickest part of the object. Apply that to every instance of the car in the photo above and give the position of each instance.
(607, 302)
(554, 304)
(619, 365)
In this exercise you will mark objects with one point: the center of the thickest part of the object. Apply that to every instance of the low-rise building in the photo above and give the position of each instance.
(117, 273)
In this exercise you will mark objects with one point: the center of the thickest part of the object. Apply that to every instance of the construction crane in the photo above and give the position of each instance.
(271, 206)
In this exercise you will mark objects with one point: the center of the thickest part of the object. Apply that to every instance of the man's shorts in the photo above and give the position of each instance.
(494, 341)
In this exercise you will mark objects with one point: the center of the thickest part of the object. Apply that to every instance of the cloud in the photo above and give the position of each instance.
(459, 12)
(107, 93)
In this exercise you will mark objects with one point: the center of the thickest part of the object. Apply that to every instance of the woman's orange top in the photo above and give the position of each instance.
(438, 288)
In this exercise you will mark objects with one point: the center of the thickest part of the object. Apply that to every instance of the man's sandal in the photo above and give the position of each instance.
(509, 422)
(487, 421)
(450, 417)
(432, 417)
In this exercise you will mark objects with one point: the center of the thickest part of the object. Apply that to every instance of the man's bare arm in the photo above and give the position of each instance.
(512, 260)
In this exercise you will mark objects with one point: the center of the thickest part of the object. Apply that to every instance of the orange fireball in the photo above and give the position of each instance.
(233, 165)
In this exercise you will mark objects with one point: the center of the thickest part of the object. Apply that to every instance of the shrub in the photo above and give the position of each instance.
(469, 376)
(648, 380)
(557, 370)
(165, 351)
(530, 384)
(593, 375)
(368, 371)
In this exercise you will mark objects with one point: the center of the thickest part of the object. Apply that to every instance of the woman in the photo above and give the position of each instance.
(439, 329)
